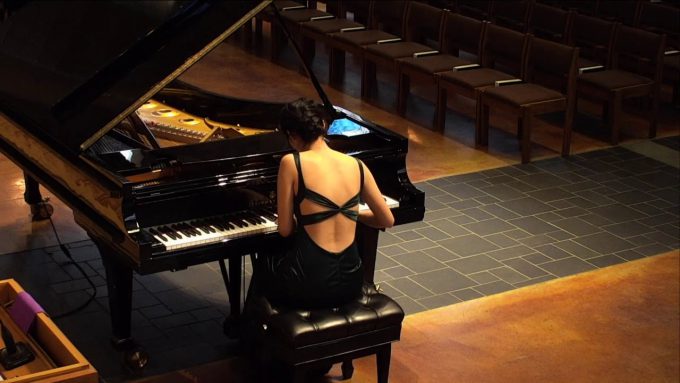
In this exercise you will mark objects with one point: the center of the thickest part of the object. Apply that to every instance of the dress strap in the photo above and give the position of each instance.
(361, 173)
(301, 181)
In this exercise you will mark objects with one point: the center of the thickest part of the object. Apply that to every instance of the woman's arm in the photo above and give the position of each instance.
(380, 215)
(285, 194)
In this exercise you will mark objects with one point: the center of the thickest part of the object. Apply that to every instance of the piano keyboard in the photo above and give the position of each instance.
(216, 229)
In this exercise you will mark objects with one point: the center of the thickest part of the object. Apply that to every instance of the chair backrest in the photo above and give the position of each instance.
(594, 37)
(553, 65)
(478, 9)
(388, 16)
(513, 14)
(639, 51)
(661, 18)
(423, 23)
(360, 10)
(551, 23)
(624, 11)
(462, 33)
(505, 50)
(583, 7)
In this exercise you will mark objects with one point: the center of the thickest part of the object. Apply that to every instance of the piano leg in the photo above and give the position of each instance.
(119, 283)
(232, 281)
(40, 209)
(367, 241)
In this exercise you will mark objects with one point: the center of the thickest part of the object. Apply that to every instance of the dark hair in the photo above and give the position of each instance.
(303, 118)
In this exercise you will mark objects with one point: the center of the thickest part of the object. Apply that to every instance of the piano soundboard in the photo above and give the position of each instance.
(176, 125)
(223, 228)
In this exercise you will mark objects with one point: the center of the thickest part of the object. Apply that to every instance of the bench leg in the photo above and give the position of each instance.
(347, 369)
(383, 360)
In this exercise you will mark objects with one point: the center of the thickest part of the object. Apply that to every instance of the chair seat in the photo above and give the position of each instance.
(301, 15)
(475, 78)
(365, 37)
(397, 49)
(586, 63)
(523, 94)
(297, 328)
(329, 25)
(614, 79)
(672, 62)
(433, 63)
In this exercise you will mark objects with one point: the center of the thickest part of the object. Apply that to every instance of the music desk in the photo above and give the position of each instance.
(56, 358)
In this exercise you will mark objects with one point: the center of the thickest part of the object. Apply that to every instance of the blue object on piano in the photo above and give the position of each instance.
(346, 127)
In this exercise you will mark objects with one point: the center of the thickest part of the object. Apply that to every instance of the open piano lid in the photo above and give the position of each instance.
(72, 70)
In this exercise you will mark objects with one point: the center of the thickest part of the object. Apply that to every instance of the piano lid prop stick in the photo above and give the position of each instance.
(14, 354)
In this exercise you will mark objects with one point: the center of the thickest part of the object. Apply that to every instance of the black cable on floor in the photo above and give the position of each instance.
(71, 261)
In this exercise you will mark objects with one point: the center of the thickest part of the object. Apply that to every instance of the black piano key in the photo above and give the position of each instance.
(158, 234)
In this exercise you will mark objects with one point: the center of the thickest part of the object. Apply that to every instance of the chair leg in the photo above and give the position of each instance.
(653, 112)
(347, 369)
(482, 124)
(336, 69)
(383, 361)
(614, 117)
(566, 135)
(440, 110)
(403, 90)
(368, 78)
(526, 137)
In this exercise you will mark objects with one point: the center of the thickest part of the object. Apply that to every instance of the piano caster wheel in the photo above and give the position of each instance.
(231, 327)
(41, 211)
(135, 359)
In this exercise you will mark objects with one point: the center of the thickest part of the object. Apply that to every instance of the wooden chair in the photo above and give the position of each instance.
(513, 14)
(623, 11)
(292, 16)
(504, 56)
(551, 87)
(477, 9)
(551, 23)
(663, 18)
(422, 36)
(636, 72)
(459, 34)
(319, 30)
(386, 23)
(595, 39)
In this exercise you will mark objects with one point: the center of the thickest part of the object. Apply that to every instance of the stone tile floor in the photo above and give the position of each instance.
(483, 233)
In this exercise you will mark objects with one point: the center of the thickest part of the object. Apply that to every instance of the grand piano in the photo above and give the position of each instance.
(161, 174)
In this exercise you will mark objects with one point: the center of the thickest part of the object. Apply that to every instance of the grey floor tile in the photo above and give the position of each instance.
(534, 281)
(409, 305)
(476, 214)
(526, 206)
(467, 294)
(581, 202)
(500, 179)
(503, 192)
(629, 255)
(418, 244)
(408, 235)
(389, 290)
(444, 198)
(410, 288)
(537, 240)
(418, 261)
(499, 212)
(467, 245)
(432, 204)
(461, 219)
(561, 204)
(442, 281)
(483, 277)
(432, 188)
(397, 272)
(474, 264)
(536, 258)
(508, 275)
(517, 234)
(509, 252)
(441, 254)
(618, 213)
(548, 217)
(494, 287)
(631, 197)
(382, 263)
(533, 225)
(439, 214)
(604, 243)
(386, 238)
(521, 186)
(553, 252)
(653, 249)
(606, 260)
(486, 200)
(663, 238)
(432, 233)
(489, 226)
(448, 227)
(501, 240)
(576, 226)
(572, 212)
(391, 250)
(567, 266)
(437, 301)
(659, 219)
(576, 249)
(462, 191)
(550, 194)
(380, 276)
(560, 235)
(628, 229)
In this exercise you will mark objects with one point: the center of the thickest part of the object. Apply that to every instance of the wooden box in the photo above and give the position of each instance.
(56, 358)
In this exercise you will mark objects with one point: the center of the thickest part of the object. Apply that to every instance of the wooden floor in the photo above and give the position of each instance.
(613, 325)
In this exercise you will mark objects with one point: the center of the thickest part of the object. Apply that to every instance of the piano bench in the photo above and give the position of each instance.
(311, 341)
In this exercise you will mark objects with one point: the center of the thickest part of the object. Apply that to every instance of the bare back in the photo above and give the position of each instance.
(335, 176)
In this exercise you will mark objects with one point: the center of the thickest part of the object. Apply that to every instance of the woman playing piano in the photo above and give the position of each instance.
(318, 194)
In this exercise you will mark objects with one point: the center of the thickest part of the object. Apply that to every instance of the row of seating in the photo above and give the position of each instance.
(422, 42)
